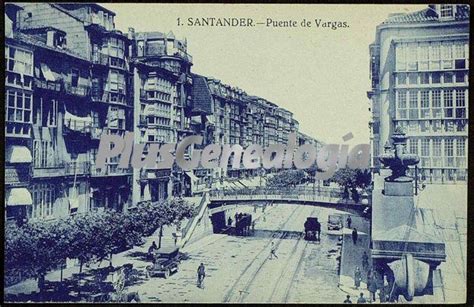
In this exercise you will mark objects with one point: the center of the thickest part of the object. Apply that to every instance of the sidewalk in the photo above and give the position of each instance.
(351, 257)
(31, 285)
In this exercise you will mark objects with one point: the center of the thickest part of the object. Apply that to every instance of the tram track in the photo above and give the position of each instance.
(242, 290)
(284, 285)
(245, 292)
(297, 269)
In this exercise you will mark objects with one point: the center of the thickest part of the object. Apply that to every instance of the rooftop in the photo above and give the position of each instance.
(427, 15)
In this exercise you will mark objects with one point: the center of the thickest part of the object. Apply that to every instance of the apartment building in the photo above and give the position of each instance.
(74, 81)
(419, 72)
(162, 86)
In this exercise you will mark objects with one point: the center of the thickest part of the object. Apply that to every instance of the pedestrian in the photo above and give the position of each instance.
(229, 221)
(365, 261)
(357, 277)
(372, 287)
(354, 236)
(201, 274)
(349, 222)
(236, 217)
(348, 299)
(272, 251)
(151, 250)
(361, 299)
(253, 226)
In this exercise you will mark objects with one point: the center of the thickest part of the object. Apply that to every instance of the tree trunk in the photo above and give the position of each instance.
(80, 266)
(41, 280)
(161, 234)
(110, 260)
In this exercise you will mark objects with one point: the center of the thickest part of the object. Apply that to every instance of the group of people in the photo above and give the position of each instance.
(360, 300)
(243, 223)
(376, 281)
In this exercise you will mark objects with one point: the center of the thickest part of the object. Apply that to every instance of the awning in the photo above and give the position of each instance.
(19, 197)
(69, 116)
(47, 73)
(18, 154)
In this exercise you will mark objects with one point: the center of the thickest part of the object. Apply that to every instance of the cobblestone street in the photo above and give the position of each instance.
(238, 269)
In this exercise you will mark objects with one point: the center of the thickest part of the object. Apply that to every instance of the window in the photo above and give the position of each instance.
(436, 103)
(74, 77)
(412, 78)
(43, 154)
(446, 11)
(436, 126)
(412, 57)
(45, 112)
(435, 56)
(460, 153)
(448, 103)
(424, 78)
(447, 56)
(437, 153)
(44, 196)
(448, 77)
(423, 51)
(461, 147)
(18, 107)
(425, 104)
(401, 78)
(413, 148)
(459, 56)
(19, 61)
(435, 78)
(402, 104)
(460, 104)
(413, 104)
(448, 153)
(425, 147)
(401, 57)
(459, 77)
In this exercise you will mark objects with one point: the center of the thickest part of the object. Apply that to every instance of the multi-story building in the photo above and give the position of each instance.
(72, 77)
(162, 99)
(419, 71)
(76, 89)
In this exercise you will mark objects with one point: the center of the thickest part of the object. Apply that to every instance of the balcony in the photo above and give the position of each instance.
(48, 171)
(109, 61)
(48, 85)
(78, 90)
(77, 125)
(77, 168)
(110, 170)
(100, 58)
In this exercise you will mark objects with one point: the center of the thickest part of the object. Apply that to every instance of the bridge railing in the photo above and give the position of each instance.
(333, 195)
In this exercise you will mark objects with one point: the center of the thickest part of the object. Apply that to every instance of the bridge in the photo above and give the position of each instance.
(312, 196)
(218, 200)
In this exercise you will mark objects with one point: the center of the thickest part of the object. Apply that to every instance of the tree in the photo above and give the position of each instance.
(287, 178)
(37, 247)
(349, 179)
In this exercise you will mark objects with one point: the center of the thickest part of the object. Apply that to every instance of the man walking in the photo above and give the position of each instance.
(354, 236)
(201, 274)
(349, 221)
(357, 277)
(365, 261)
(272, 251)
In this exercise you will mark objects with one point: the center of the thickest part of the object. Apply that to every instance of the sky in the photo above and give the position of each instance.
(319, 74)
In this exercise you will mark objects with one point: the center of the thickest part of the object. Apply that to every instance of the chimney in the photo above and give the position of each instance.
(131, 33)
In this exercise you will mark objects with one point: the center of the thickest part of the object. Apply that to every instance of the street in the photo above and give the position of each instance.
(238, 269)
